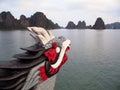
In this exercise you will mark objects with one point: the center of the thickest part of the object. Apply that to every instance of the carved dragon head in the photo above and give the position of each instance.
(37, 64)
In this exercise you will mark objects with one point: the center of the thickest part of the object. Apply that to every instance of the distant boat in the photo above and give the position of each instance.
(36, 68)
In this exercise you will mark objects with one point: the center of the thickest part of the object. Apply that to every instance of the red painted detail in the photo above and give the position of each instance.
(54, 45)
(51, 53)
(54, 70)
(42, 73)
(67, 49)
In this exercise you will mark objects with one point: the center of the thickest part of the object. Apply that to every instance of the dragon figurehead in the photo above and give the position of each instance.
(38, 63)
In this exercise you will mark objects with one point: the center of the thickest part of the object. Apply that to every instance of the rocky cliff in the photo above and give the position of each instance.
(7, 21)
(99, 24)
(80, 25)
(24, 21)
(70, 25)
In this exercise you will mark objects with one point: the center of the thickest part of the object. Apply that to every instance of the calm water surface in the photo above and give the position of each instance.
(94, 59)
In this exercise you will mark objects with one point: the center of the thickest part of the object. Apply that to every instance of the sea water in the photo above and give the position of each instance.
(94, 58)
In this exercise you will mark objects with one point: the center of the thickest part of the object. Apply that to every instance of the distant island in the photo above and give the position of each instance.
(115, 25)
(8, 21)
(99, 25)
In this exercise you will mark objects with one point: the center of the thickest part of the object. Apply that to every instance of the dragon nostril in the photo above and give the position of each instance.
(68, 48)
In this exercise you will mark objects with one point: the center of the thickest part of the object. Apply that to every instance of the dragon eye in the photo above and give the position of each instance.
(57, 49)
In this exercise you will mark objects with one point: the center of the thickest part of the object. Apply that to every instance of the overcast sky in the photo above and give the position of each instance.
(62, 11)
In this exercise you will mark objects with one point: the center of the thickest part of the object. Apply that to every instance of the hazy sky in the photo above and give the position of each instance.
(62, 11)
